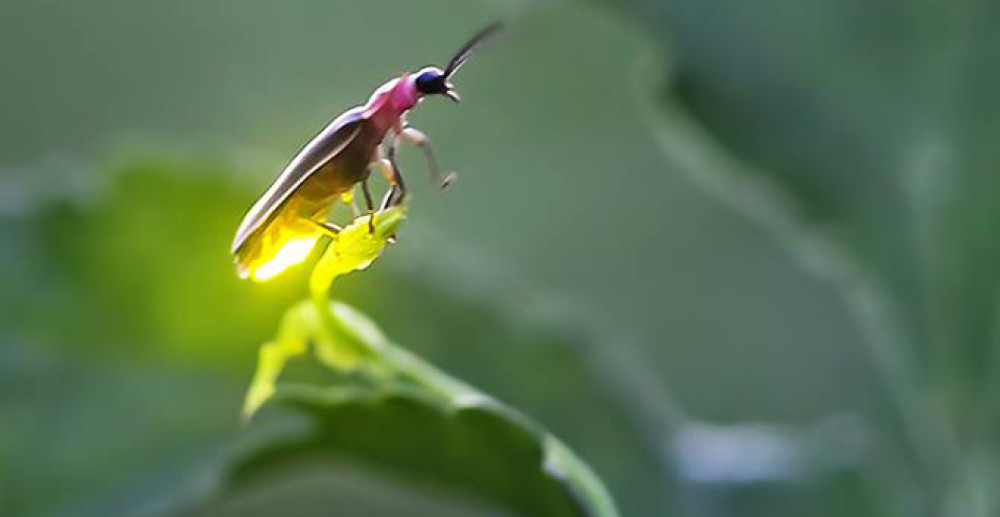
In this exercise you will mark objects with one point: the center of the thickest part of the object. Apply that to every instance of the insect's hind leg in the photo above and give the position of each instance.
(419, 139)
(327, 227)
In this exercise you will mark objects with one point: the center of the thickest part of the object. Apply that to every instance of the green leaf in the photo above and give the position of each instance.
(413, 420)
(182, 393)
(356, 247)
(479, 448)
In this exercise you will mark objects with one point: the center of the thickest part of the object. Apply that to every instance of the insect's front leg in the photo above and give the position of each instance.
(369, 204)
(393, 195)
(391, 168)
(419, 139)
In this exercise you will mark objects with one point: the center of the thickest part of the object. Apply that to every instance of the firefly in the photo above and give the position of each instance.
(284, 224)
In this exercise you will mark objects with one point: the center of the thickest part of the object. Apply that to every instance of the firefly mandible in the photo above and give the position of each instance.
(284, 224)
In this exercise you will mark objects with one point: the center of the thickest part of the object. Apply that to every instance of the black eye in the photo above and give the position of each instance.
(429, 82)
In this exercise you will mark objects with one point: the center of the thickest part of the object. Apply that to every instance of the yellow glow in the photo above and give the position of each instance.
(353, 249)
(292, 252)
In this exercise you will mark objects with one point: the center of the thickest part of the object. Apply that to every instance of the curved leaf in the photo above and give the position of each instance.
(411, 419)
(480, 448)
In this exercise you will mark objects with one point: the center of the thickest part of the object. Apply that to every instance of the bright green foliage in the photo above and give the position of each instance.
(455, 434)
(354, 248)
(480, 448)
(182, 393)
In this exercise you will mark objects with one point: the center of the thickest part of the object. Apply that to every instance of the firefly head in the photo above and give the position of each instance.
(433, 81)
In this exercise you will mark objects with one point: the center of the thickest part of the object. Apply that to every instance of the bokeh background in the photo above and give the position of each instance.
(740, 256)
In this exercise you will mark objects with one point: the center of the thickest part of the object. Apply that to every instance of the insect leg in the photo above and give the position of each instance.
(390, 176)
(419, 139)
(396, 187)
(398, 192)
(326, 227)
(369, 205)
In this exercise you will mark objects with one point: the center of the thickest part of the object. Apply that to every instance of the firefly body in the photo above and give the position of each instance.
(284, 224)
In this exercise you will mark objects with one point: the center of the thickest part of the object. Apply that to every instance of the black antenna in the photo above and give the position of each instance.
(470, 48)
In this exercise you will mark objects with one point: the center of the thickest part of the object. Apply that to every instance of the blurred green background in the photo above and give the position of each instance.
(741, 257)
